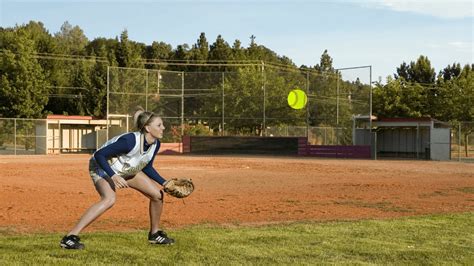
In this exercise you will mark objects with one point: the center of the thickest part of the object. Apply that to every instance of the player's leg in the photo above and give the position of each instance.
(151, 190)
(106, 191)
(107, 200)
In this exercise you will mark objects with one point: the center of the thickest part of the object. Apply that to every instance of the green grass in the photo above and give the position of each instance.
(436, 239)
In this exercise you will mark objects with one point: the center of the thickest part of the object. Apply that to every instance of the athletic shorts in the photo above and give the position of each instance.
(96, 172)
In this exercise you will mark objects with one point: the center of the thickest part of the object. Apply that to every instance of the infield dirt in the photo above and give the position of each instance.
(50, 193)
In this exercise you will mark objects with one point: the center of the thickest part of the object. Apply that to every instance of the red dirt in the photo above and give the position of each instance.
(50, 193)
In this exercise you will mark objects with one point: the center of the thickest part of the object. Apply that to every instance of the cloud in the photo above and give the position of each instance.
(437, 8)
(460, 44)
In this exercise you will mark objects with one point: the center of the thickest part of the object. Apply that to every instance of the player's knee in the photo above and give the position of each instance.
(108, 201)
(157, 196)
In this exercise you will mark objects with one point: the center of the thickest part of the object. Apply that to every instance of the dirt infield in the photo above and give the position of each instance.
(49, 193)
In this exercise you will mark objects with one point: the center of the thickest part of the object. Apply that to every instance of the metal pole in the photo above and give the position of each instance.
(60, 136)
(264, 96)
(14, 133)
(418, 140)
(325, 136)
(158, 77)
(370, 111)
(337, 101)
(307, 106)
(459, 142)
(126, 122)
(375, 144)
(108, 92)
(223, 105)
(146, 91)
(182, 103)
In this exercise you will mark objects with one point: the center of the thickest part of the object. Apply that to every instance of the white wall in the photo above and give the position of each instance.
(440, 145)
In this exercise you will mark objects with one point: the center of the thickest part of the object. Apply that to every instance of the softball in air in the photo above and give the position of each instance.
(297, 99)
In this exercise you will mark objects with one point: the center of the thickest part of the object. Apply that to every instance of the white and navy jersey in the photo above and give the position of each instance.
(127, 155)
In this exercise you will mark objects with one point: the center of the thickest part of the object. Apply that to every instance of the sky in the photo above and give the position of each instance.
(379, 33)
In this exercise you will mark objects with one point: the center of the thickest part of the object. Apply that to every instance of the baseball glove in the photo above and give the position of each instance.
(179, 188)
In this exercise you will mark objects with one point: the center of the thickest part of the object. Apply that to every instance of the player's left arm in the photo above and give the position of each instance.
(150, 171)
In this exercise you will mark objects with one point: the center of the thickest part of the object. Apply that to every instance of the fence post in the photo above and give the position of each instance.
(337, 101)
(14, 130)
(459, 142)
(417, 140)
(223, 103)
(146, 91)
(108, 99)
(182, 103)
(307, 105)
(264, 127)
(370, 107)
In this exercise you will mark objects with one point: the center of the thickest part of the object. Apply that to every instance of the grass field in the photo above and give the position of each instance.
(433, 239)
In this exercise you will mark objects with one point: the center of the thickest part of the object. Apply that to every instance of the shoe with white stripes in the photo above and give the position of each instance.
(71, 242)
(160, 238)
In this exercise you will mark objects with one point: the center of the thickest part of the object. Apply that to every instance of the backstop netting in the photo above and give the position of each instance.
(242, 101)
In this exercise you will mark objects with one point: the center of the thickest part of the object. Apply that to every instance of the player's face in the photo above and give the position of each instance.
(156, 128)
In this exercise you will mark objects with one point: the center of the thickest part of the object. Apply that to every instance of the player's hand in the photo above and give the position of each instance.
(119, 181)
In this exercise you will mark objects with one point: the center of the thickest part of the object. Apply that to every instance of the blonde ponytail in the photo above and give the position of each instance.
(142, 118)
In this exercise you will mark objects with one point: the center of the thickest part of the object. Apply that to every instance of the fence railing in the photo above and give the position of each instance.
(20, 136)
(462, 141)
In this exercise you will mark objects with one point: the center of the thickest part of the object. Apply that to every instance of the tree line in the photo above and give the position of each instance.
(66, 73)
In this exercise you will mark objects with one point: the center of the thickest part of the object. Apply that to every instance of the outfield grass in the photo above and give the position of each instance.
(437, 239)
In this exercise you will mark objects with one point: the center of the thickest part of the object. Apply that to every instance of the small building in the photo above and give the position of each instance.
(418, 138)
(85, 134)
(74, 134)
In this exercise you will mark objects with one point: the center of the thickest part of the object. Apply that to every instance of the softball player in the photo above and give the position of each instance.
(126, 161)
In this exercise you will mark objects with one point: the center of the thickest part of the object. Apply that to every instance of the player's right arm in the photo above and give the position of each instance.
(122, 146)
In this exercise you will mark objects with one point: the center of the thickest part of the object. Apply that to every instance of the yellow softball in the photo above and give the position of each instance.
(297, 99)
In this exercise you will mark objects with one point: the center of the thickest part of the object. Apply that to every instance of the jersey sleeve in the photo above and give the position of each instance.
(122, 146)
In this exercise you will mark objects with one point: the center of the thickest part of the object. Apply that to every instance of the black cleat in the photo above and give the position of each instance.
(160, 238)
(71, 242)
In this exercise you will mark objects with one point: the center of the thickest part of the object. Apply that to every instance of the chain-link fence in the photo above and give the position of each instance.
(316, 135)
(462, 141)
(247, 101)
(23, 136)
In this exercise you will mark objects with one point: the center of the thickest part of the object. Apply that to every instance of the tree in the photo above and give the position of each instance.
(128, 54)
(399, 99)
(200, 51)
(23, 88)
(71, 40)
(323, 84)
(67, 65)
(325, 64)
(220, 50)
(96, 95)
(451, 72)
(419, 71)
(238, 53)
(466, 84)
(158, 50)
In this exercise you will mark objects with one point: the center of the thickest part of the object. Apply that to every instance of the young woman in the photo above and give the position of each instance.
(126, 161)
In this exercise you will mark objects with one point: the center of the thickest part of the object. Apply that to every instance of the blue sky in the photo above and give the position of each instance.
(381, 33)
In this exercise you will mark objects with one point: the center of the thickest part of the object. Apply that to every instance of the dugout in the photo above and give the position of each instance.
(75, 134)
(85, 134)
(417, 138)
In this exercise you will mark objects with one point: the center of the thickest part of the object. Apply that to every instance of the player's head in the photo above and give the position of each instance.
(143, 118)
